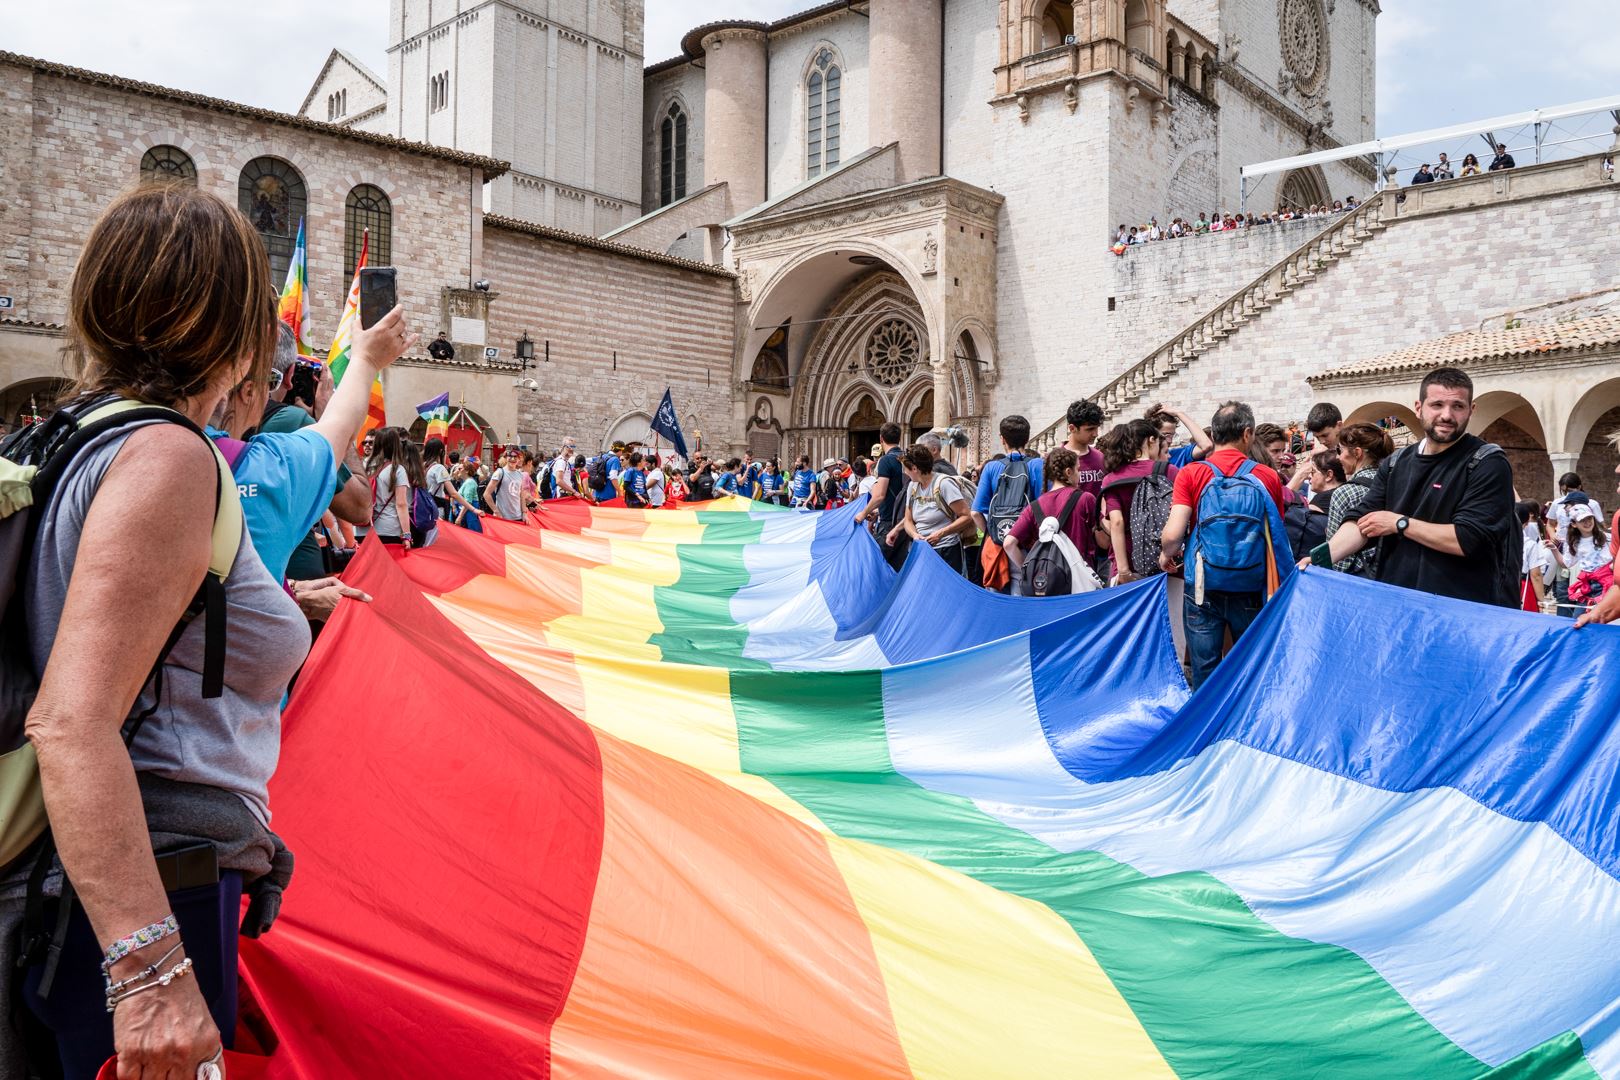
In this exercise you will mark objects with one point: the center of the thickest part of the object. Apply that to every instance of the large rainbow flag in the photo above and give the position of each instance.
(714, 793)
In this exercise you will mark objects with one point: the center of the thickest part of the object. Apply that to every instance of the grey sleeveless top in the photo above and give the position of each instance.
(231, 742)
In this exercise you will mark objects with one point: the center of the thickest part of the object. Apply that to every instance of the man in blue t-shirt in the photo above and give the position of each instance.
(749, 473)
(633, 482)
(804, 481)
(1014, 437)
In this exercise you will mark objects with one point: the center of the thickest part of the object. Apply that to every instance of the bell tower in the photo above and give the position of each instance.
(557, 95)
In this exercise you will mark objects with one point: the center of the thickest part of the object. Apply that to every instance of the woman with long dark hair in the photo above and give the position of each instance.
(391, 487)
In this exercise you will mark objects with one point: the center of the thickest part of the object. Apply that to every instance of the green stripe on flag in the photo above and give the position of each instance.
(1221, 993)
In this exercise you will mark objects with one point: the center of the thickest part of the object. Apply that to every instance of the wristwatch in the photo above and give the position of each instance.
(1401, 524)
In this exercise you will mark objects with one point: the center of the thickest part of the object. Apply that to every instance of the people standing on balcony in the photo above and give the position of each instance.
(1424, 176)
(1470, 165)
(1502, 160)
(1442, 171)
(441, 349)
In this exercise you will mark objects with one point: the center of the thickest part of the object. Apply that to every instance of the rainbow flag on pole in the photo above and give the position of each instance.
(294, 306)
(437, 415)
(338, 356)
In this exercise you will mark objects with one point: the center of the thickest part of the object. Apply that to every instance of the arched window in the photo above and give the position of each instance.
(1057, 25)
(367, 207)
(272, 195)
(824, 117)
(168, 163)
(439, 91)
(672, 156)
(1139, 27)
(1301, 190)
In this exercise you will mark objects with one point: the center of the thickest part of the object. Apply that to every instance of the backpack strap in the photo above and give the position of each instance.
(1068, 509)
(1161, 469)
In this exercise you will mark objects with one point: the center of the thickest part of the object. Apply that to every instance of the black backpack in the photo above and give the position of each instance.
(596, 473)
(1305, 529)
(547, 486)
(1150, 509)
(1053, 565)
(1012, 494)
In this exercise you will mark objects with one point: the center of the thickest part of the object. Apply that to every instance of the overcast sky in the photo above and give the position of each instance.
(1439, 61)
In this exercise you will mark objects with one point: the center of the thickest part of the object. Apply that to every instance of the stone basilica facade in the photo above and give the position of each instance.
(915, 197)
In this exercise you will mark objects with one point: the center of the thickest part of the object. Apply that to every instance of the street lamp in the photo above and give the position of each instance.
(525, 349)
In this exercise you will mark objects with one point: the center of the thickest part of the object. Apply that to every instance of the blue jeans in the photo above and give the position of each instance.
(1207, 624)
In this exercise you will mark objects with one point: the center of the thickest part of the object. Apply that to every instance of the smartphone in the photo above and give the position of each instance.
(378, 295)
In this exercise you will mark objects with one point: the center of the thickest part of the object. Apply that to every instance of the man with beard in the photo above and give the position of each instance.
(1441, 512)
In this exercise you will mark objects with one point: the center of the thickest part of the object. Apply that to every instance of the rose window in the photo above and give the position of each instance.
(1302, 41)
(892, 353)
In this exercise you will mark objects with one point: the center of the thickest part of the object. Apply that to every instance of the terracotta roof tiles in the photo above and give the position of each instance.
(1595, 333)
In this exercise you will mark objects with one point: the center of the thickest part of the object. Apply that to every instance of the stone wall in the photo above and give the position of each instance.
(84, 146)
(1418, 280)
(669, 325)
(512, 67)
(1052, 243)
(683, 85)
(791, 53)
(1159, 289)
(972, 51)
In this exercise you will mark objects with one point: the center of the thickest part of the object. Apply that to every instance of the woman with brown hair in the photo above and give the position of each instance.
(1362, 447)
(171, 305)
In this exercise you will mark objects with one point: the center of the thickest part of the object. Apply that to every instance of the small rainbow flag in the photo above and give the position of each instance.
(294, 306)
(338, 356)
(437, 415)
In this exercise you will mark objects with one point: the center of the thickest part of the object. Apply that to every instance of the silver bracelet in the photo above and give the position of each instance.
(140, 939)
(165, 979)
(151, 969)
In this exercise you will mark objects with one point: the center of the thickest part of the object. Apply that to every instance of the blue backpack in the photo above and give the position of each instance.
(1234, 536)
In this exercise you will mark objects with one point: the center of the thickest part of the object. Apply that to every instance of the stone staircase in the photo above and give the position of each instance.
(1293, 272)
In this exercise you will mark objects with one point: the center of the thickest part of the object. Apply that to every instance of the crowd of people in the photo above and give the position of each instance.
(196, 431)
(1128, 236)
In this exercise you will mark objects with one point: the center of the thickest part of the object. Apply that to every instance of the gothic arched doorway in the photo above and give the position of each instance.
(864, 425)
(871, 356)
(921, 420)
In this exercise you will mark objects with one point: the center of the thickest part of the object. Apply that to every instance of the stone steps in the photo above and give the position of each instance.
(1293, 272)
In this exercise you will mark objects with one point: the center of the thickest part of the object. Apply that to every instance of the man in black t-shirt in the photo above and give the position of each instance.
(885, 507)
(1441, 512)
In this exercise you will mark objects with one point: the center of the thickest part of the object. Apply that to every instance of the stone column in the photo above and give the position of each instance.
(734, 96)
(1563, 462)
(904, 69)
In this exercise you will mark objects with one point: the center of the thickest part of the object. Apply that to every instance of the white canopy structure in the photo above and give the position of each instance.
(1543, 122)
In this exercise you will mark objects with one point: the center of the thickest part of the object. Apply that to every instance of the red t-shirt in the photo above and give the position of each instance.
(1081, 527)
(1614, 534)
(1191, 481)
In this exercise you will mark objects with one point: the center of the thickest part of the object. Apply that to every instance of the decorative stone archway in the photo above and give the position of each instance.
(874, 345)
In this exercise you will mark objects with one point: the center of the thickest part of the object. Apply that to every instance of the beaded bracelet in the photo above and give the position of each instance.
(165, 979)
(140, 939)
(140, 976)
